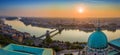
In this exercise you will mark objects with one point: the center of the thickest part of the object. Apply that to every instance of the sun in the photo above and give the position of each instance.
(80, 10)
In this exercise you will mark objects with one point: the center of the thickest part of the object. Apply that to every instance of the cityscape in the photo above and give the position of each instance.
(59, 27)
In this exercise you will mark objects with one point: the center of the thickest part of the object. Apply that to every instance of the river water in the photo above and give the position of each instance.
(66, 35)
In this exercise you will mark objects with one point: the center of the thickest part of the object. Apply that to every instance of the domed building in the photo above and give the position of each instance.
(97, 43)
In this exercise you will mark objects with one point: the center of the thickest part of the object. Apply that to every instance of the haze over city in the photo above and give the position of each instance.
(60, 8)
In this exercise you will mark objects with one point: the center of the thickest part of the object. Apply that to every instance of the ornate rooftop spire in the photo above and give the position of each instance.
(98, 25)
(98, 22)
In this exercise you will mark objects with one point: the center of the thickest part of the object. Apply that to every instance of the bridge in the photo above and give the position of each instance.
(50, 32)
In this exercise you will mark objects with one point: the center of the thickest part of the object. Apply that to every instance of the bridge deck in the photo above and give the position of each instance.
(49, 32)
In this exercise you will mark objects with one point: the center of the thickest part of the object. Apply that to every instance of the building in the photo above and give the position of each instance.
(15, 49)
(115, 44)
(97, 43)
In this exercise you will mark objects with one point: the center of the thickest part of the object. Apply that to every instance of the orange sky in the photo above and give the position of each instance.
(64, 9)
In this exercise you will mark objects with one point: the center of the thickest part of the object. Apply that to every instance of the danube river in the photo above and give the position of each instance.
(66, 35)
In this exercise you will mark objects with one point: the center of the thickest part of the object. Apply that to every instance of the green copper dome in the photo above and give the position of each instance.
(97, 40)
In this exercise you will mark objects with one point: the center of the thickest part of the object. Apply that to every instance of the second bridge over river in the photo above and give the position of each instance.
(47, 34)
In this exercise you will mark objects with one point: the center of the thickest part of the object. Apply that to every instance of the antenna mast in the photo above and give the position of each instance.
(98, 22)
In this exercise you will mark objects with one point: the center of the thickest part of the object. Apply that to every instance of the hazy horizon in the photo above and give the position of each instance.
(61, 8)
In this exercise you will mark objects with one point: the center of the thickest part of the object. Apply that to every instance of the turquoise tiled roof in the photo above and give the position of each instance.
(15, 49)
(115, 42)
(97, 40)
(7, 52)
(24, 49)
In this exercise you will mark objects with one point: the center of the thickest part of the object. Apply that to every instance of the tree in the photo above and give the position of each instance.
(29, 41)
(48, 40)
(5, 40)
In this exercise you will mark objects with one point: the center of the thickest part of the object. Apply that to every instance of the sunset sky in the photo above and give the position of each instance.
(60, 8)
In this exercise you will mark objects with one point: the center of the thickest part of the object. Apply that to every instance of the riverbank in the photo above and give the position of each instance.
(66, 38)
(65, 35)
(69, 24)
(10, 35)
